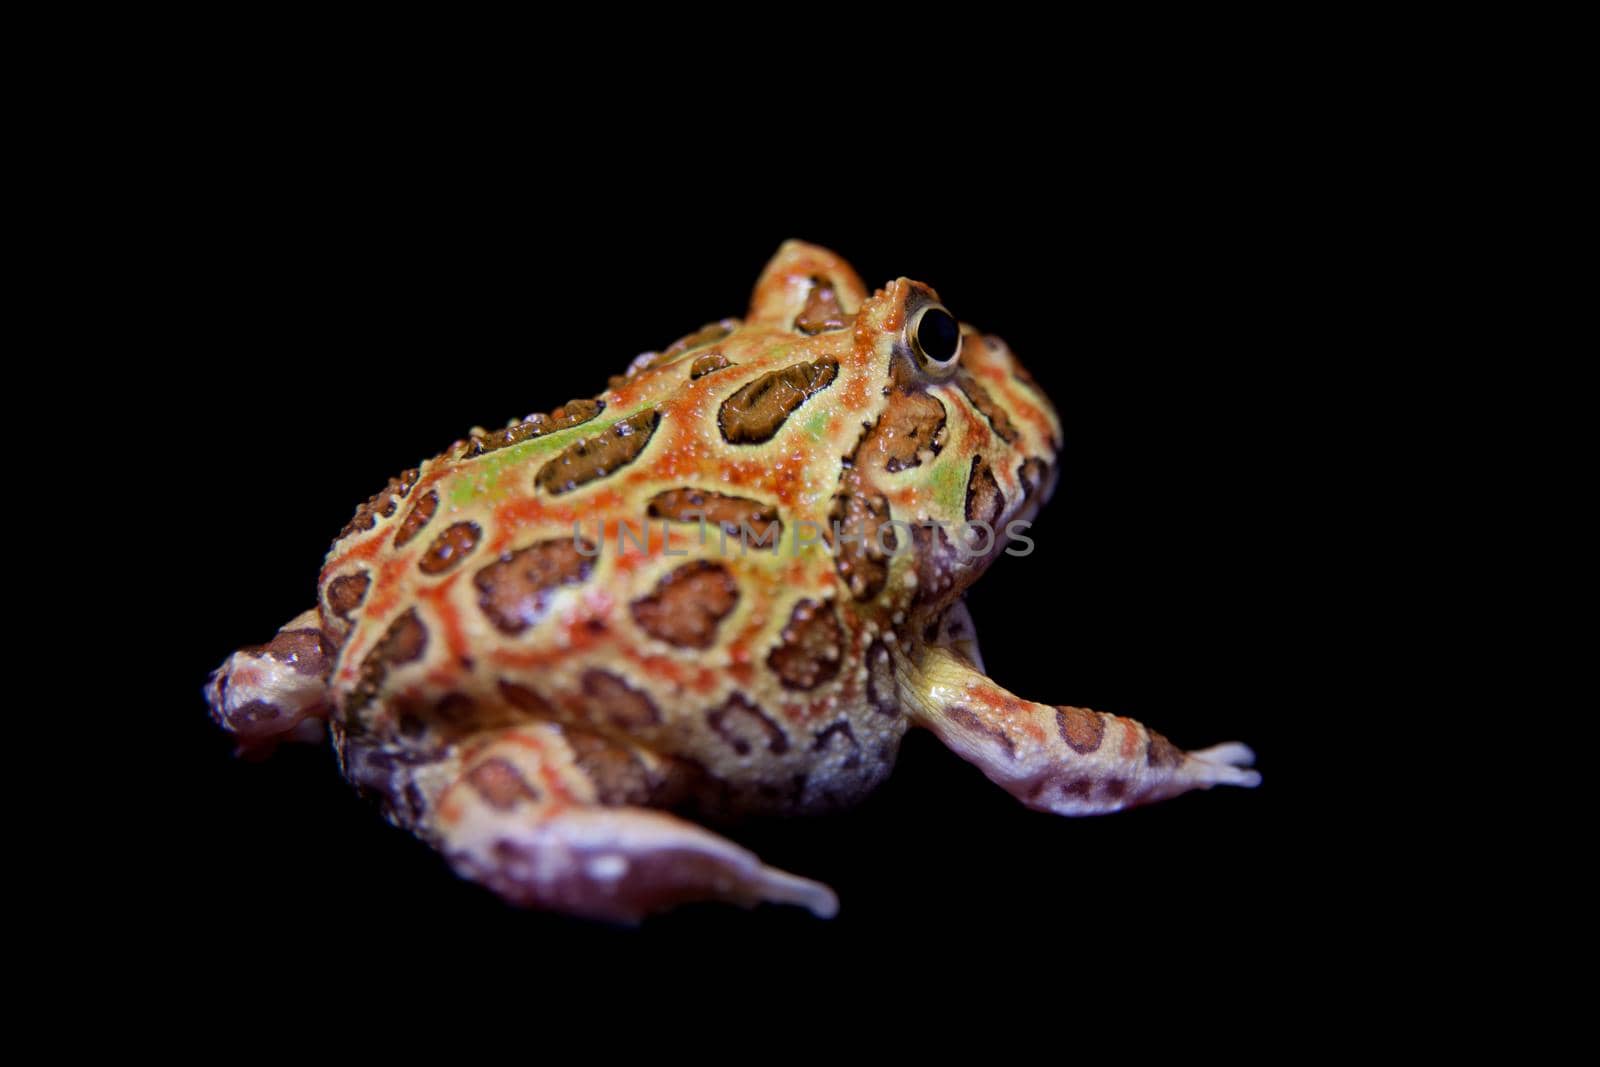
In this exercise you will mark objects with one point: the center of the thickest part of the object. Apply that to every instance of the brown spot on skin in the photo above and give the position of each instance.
(383, 502)
(600, 455)
(572, 413)
(500, 784)
(304, 650)
(913, 423)
(618, 775)
(687, 604)
(744, 727)
(984, 499)
(1163, 753)
(718, 509)
(811, 646)
(711, 361)
(759, 409)
(416, 518)
(610, 701)
(822, 310)
(881, 691)
(938, 563)
(346, 593)
(1114, 789)
(830, 736)
(514, 590)
(705, 335)
(450, 547)
(1081, 729)
(403, 642)
(1033, 474)
(524, 699)
(1077, 787)
(456, 709)
(863, 563)
(252, 714)
(999, 421)
(970, 721)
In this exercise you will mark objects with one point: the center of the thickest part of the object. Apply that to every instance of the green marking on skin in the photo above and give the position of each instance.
(949, 484)
(817, 425)
(481, 477)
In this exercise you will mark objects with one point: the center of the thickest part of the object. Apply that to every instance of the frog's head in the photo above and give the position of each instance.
(952, 437)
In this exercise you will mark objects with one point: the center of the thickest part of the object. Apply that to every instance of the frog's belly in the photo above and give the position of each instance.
(727, 752)
(780, 766)
(407, 779)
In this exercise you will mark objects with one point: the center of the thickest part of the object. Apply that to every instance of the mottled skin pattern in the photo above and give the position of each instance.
(549, 709)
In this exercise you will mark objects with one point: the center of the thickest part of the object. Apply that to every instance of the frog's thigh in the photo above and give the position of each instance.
(545, 818)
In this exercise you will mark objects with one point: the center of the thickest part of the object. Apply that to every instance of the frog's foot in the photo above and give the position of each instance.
(1060, 759)
(274, 692)
(527, 817)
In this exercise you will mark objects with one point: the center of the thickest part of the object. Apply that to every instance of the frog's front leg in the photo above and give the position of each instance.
(1059, 759)
(542, 816)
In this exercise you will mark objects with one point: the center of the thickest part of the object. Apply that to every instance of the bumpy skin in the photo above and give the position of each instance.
(530, 649)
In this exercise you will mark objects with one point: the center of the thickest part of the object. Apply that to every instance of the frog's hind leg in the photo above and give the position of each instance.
(1059, 759)
(551, 817)
(275, 692)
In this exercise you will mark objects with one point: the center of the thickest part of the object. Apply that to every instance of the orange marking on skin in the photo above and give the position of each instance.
(389, 585)
(993, 372)
(658, 535)
(1029, 724)
(557, 789)
(350, 655)
(1130, 737)
(897, 308)
(241, 677)
(444, 676)
(991, 697)
(977, 436)
(581, 637)
(909, 498)
(681, 675)
(511, 516)
(446, 613)
(853, 394)
(356, 553)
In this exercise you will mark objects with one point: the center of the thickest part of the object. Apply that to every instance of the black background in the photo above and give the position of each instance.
(336, 306)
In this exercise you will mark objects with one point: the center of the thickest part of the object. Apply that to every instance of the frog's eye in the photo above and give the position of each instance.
(936, 338)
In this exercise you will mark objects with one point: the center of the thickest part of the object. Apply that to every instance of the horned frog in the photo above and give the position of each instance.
(727, 585)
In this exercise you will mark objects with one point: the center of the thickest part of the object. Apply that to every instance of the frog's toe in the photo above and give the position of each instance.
(1225, 764)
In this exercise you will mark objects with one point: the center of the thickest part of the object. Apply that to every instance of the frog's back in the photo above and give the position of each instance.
(645, 565)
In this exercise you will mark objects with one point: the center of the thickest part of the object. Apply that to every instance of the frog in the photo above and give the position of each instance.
(569, 652)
